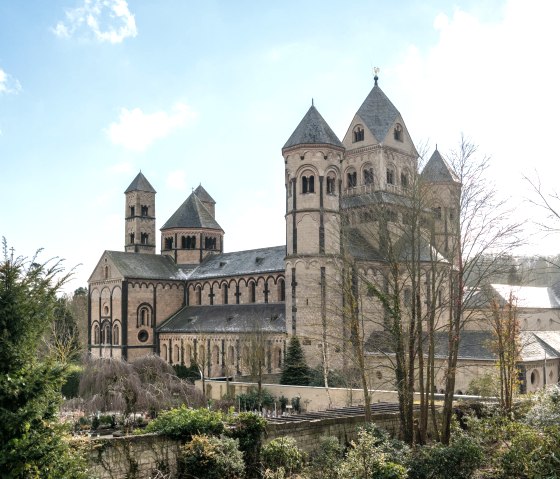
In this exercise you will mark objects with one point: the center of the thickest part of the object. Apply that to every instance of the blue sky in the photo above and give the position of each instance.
(208, 92)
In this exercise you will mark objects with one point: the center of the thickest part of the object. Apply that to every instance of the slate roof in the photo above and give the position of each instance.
(438, 170)
(192, 214)
(255, 261)
(140, 183)
(528, 297)
(476, 345)
(378, 113)
(145, 266)
(377, 197)
(227, 318)
(203, 195)
(313, 129)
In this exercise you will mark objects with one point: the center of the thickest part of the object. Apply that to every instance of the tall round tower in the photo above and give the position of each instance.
(312, 156)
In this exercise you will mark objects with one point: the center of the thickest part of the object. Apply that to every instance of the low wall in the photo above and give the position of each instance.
(133, 457)
(311, 398)
(141, 457)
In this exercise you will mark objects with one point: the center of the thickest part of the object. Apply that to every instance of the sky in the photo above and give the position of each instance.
(93, 91)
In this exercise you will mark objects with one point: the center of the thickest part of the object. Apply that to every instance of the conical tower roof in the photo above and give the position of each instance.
(313, 129)
(192, 214)
(438, 170)
(140, 183)
(378, 113)
(203, 195)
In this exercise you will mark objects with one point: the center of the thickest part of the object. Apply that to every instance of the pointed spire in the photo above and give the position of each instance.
(203, 195)
(192, 214)
(140, 183)
(313, 129)
(438, 170)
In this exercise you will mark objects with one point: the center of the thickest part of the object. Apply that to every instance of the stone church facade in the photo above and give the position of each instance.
(194, 303)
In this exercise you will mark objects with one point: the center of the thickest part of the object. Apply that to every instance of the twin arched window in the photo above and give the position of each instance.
(308, 184)
(358, 134)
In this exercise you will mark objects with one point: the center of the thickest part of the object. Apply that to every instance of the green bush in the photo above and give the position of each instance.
(250, 401)
(72, 384)
(282, 453)
(458, 460)
(248, 428)
(365, 460)
(211, 458)
(183, 423)
(326, 459)
(533, 454)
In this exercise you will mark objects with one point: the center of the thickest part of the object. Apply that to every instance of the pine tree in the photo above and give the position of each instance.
(30, 381)
(295, 370)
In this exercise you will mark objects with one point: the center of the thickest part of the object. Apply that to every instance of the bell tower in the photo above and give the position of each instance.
(312, 157)
(140, 217)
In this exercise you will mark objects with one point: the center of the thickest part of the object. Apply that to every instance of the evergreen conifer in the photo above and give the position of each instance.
(295, 370)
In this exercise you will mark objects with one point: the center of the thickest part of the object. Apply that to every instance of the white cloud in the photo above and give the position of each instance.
(177, 180)
(136, 130)
(8, 84)
(108, 20)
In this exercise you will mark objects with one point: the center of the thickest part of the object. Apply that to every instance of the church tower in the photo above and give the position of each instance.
(140, 216)
(444, 195)
(312, 157)
(192, 233)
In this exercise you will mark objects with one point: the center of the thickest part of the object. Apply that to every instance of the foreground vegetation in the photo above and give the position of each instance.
(484, 444)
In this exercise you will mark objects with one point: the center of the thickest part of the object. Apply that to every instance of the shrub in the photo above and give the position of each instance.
(248, 428)
(183, 423)
(250, 401)
(191, 373)
(395, 450)
(282, 453)
(72, 384)
(533, 454)
(365, 460)
(545, 410)
(212, 458)
(325, 461)
(459, 460)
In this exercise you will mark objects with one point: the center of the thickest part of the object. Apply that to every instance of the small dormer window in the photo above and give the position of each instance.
(398, 132)
(358, 134)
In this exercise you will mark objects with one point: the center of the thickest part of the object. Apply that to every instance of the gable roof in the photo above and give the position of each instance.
(313, 129)
(140, 183)
(192, 214)
(438, 170)
(203, 195)
(254, 261)
(145, 266)
(378, 113)
(227, 318)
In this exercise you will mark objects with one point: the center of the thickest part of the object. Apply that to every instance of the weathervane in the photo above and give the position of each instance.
(375, 72)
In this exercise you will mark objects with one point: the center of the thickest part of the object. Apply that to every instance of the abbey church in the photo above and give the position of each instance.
(348, 207)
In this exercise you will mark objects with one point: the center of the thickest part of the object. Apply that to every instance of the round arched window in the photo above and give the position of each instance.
(143, 336)
(379, 375)
(534, 377)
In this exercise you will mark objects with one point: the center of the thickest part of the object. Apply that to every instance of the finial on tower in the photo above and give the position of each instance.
(375, 72)
(312, 104)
